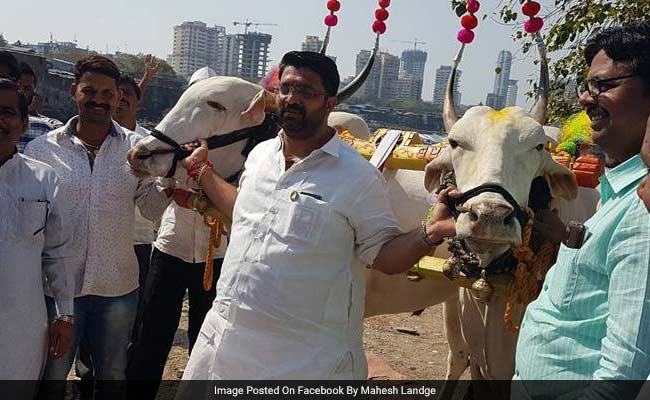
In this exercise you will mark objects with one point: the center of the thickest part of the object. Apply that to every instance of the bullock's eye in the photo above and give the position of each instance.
(540, 147)
(453, 143)
(216, 106)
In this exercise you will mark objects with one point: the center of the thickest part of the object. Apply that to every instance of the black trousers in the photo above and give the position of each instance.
(168, 280)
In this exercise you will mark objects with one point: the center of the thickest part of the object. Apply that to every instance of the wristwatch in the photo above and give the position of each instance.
(65, 318)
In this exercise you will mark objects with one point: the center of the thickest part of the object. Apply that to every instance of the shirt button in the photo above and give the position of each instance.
(517, 372)
(545, 287)
(273, 210)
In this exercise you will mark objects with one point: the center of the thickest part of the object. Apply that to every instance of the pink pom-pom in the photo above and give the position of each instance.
(531, 8)
(469, 21)
(465, 36)
(534, 25)
(381, 14)
(473, 6)
(333, 5)
(379, 27)
(384, 3)
(331, 20)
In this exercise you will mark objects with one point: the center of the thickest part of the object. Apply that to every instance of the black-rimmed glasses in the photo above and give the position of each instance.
(596, 86)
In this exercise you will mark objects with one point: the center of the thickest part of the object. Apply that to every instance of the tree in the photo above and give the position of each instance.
(567, 26)
(134, 65)
(3, 42)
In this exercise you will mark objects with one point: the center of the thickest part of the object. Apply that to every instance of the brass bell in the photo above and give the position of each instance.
(481, 289)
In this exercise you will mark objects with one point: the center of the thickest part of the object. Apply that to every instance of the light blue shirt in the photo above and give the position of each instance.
(592, 319)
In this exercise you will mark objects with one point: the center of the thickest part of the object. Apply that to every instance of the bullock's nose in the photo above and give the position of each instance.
(491, 213)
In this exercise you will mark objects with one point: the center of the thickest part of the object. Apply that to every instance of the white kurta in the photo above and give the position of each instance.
(290, 298)
(34, 242)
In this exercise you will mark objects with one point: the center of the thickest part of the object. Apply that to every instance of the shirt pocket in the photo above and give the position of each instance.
(31, 218)
(565, 278)
(304, 219)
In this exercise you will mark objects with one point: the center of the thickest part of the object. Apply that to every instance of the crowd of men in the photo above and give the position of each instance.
(95, 261)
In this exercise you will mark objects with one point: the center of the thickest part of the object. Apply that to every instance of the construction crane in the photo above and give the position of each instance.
(248, 23)
(415, 42)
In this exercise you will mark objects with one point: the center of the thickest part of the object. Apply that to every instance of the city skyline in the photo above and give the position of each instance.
(433, 22)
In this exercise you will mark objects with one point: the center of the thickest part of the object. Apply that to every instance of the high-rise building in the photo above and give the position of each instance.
(246, 55)
(412, 65)
(440, 85)
(196, 45)
(382, 80)
(511, 95)
(312, 43)
(499, 96)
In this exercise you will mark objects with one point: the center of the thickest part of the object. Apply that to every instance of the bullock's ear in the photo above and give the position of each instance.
(436, 169)
(256, 112)
(560, 179)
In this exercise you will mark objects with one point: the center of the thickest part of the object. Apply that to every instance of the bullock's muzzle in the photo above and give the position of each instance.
(519, 213)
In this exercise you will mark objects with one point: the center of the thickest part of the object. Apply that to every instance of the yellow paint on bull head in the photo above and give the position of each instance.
(501, 115)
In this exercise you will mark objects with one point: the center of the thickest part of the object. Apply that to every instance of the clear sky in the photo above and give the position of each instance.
(147, 25)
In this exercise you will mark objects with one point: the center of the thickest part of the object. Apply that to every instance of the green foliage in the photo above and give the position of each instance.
(134, 65)
(568, 24)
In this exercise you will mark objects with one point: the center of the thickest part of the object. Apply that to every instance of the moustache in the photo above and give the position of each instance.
(293, 108)
(92, 104)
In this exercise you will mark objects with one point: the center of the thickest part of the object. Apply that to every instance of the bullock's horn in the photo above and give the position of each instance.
(353, 86)
(449, 114)
(326, 41)
(539, 110)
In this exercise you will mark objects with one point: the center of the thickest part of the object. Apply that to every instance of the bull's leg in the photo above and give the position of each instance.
(458, 356)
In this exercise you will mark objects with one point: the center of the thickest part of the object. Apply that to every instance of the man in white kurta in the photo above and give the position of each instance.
(309, 215)
(34, 243)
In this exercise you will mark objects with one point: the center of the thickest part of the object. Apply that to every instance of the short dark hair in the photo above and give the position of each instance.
(626, 44)
(26, 69)
(128, 80)
(7, 59)
(319, 63)
(98, 64)
(11, 86)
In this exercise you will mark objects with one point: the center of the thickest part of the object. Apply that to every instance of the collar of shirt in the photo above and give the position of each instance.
(331, 147)
(621, 179)
(70, 128)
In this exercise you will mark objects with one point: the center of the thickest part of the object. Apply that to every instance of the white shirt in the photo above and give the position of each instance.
(34, 243)
(144, 231)
(182, 233)
(290, 297)
(102, 195)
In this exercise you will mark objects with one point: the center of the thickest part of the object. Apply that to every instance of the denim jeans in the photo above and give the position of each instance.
(104, 324)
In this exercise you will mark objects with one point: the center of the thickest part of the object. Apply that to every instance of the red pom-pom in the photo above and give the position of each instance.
(534, 25)
(381, 14)
(333, 5)
(473, 6)
(379, 27)
(384, 3)
(331, 20)
(465, 36)
(469, 21)
(531, 8)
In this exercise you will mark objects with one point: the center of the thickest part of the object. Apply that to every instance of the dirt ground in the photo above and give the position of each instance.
(414, 356)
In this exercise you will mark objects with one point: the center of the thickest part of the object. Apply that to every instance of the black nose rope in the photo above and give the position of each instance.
(519, 213)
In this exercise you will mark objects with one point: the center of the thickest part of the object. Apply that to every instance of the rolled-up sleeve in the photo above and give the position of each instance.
(372, 219)
(57, 251)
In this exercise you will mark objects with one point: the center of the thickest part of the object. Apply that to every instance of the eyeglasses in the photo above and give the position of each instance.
(305, 92)
(596, 86)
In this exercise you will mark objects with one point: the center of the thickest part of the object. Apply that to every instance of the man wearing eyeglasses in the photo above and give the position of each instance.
(308, 216)
(591, 320)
